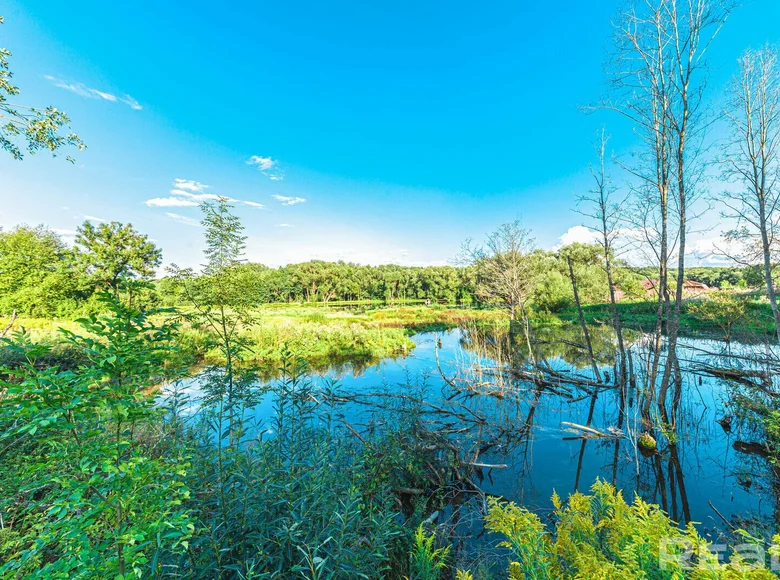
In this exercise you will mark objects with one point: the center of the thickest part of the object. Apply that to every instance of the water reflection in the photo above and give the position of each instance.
(523, 438)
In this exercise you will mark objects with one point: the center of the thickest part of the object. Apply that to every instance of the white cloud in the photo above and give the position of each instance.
(267, 166)
(578, 234)
(64, 231)
(189, 185)
(289, 200)
(84, 91)
(189, 193)
(92, 218)
(262, 163)
(199, 196)
(183, 219)
(713, 251)
(171, 202)
(131, 102)
(283, 226)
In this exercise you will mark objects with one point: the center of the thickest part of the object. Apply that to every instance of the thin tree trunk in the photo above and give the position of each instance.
(584, 326)
(770, 285)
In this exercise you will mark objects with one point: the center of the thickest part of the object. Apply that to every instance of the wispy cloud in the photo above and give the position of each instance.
(92, 218)
(64, 231)
(171, 202)
(199, 197)
(189, 193)
(289, 200)
(182, 219)
(283, 226)
(267, 166)
(84, 91)
(131, 102)
(189, 185)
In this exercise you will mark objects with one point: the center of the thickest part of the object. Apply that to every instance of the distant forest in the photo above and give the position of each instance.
(42, 276)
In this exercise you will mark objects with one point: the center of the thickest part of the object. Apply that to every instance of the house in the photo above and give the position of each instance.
(690, 287)
(650, 287)
(619, 294)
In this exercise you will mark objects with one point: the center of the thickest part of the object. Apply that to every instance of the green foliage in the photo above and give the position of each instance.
(427, 561)
(89, 487)
(35, 274)
(600, 536)
(292, 504)
(318, 281)
(723, 309)
(525, 536)
(553, 292)
(27, 128)
(113, 253)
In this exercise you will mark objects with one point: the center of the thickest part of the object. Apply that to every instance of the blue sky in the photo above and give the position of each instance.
(405, 126)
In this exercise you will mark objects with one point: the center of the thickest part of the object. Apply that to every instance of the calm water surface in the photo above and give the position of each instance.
(702, 469)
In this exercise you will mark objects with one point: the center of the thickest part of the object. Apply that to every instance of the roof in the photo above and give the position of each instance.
(692, 285)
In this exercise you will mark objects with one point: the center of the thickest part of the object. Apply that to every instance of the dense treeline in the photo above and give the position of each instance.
(318, 281)
(42, 276)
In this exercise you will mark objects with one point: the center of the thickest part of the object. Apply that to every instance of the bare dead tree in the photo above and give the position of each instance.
(752, 162)
(639, 79)
(589, 346)
(605, 208)
(693, 25)
(658, 76)
(505, 275)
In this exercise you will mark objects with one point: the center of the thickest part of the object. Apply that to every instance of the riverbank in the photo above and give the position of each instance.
(366, 332)
(756, 324)
(317, 334)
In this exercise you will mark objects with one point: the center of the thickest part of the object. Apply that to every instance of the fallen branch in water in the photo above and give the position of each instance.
(591, 432)
(488, 465)
(728, 523)
(742, 377)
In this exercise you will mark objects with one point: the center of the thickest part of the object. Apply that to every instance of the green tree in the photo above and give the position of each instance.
(89, 478)
(114, 253)
(721, 308)
(24, 128)
(34, 273)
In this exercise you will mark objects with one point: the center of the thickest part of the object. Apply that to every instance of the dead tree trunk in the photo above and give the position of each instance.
(584, 326)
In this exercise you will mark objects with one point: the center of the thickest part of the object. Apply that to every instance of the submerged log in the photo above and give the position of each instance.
(590, 431)
(752, 448)
(743, 377)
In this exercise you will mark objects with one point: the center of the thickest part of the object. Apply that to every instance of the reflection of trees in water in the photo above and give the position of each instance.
(337, 367)
(683, 435)
(563, 343)
(490, 412)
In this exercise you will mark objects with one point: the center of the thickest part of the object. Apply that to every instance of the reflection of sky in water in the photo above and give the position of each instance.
(710, 469)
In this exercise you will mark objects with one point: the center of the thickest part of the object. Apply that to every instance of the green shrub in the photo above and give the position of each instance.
(601, 537)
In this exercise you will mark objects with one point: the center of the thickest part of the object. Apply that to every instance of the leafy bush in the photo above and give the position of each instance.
(600, 536)
(88, 487)
(282, 498)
